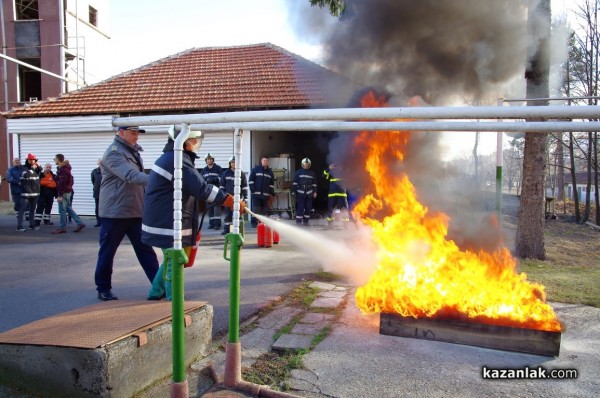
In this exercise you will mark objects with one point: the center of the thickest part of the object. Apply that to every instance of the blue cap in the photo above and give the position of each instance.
(133, 128)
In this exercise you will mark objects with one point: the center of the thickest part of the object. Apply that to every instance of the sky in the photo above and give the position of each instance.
(143, 32)
(161, 28)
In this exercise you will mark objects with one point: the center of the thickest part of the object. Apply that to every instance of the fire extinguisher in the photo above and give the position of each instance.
(268, 236)
(260, 235)
(275, 237)
(193, 251)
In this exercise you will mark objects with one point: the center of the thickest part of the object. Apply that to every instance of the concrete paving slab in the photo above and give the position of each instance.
(315, 317)
(292, 342)
(278, 318)
(332, 294)
(322, 286)
(326, 303)
(311, 329)
(257, 342)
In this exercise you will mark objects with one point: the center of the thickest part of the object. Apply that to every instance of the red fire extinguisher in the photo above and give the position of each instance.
(260, 235)
(268, 236)
(192, 254)
(275, 237)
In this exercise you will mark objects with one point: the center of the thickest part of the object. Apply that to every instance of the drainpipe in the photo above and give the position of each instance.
(5, 80)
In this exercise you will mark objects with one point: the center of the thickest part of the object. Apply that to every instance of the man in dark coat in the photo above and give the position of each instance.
(96, 181)
(48, 192)
(262, 186)
(212, 175)
(13, 176)
(30, 190)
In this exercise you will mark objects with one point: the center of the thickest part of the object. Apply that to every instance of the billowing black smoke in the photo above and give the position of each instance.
(466, 51)
(429, 48)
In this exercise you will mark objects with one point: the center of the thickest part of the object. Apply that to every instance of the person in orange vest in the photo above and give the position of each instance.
(47, 194)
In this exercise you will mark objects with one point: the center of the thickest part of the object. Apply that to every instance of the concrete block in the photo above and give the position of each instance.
(332, 294)
(326, 303)
(293, 342)
(279, 318)
(316, 317)
(116, 370)
(322, 286)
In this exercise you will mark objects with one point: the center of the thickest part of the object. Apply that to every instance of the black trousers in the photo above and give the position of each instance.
(44, 207)
(260, 205)
(303, 207)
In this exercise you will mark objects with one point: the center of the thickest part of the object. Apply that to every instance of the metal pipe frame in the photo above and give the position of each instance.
(232, 120)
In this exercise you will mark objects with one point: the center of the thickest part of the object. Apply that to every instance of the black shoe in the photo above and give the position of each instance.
(154, 298)
(224, 233)
(107, 296)
(96, 225)
(217, 227)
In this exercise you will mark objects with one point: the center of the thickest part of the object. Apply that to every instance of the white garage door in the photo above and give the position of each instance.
(84, 149)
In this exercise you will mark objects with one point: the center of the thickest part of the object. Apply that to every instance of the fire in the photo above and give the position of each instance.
(421, 273)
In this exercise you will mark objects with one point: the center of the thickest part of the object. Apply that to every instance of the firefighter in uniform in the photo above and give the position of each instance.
(227, 184)
(261, 183)
(212, 175)
(337, 199)
(304, 186)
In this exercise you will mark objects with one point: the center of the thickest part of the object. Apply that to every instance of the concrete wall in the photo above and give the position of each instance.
(117, 370)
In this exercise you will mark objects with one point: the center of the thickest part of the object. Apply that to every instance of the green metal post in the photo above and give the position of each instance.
(235, 241)
(499, 191)
(177, 259)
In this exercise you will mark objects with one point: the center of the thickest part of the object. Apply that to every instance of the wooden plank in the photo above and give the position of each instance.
(469, 333)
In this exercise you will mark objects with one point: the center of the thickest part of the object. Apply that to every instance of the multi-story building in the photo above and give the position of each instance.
(49, 47)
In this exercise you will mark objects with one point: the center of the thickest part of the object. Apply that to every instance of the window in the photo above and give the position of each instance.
(26, 9)
(93, 16)
(30, 82)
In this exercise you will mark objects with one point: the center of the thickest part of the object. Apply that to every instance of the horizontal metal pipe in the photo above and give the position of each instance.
(484, 112)
(402, 126)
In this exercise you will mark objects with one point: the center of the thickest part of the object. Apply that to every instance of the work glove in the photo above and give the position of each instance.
(229, 203)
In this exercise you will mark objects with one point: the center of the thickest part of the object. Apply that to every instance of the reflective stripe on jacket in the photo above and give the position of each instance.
(261, 182)
(157, 220)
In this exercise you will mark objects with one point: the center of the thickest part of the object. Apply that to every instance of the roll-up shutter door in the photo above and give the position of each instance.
(84, 150)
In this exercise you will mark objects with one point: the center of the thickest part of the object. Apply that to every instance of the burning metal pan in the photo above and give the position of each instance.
(508, 338)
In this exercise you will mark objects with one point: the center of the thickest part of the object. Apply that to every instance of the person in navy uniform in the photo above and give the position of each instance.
(212, 175)
(304, 187)
(261, 183)
(337, 199)
(228, 184)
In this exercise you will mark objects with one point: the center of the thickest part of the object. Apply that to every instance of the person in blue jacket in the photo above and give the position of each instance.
(157, 218)
(228, 184)
(212, 175)
(13, 176)
(262, 187)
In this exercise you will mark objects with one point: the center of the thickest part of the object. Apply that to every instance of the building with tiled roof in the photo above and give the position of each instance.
(204, 80)
(253, 77)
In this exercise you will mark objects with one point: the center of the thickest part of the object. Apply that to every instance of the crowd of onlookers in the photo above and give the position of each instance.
(33, 190)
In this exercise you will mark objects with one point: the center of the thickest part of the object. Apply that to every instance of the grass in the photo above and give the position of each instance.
(273, 369)
(571, 272)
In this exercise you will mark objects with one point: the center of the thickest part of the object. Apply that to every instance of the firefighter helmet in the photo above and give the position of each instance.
(231, 159)
(209, 156)
(306, 160)
(31, 156)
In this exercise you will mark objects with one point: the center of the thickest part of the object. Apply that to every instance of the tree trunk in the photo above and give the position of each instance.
(574, 177)
(588, 184)
(560, 162)
(530, 229)
(596, 196)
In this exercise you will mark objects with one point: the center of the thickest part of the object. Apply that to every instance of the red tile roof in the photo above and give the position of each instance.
(261, 76)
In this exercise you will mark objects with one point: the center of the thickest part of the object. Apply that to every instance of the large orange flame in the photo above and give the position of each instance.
(420, 273)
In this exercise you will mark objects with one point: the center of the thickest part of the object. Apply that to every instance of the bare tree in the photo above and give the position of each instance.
(582, 79)
(530, 229)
